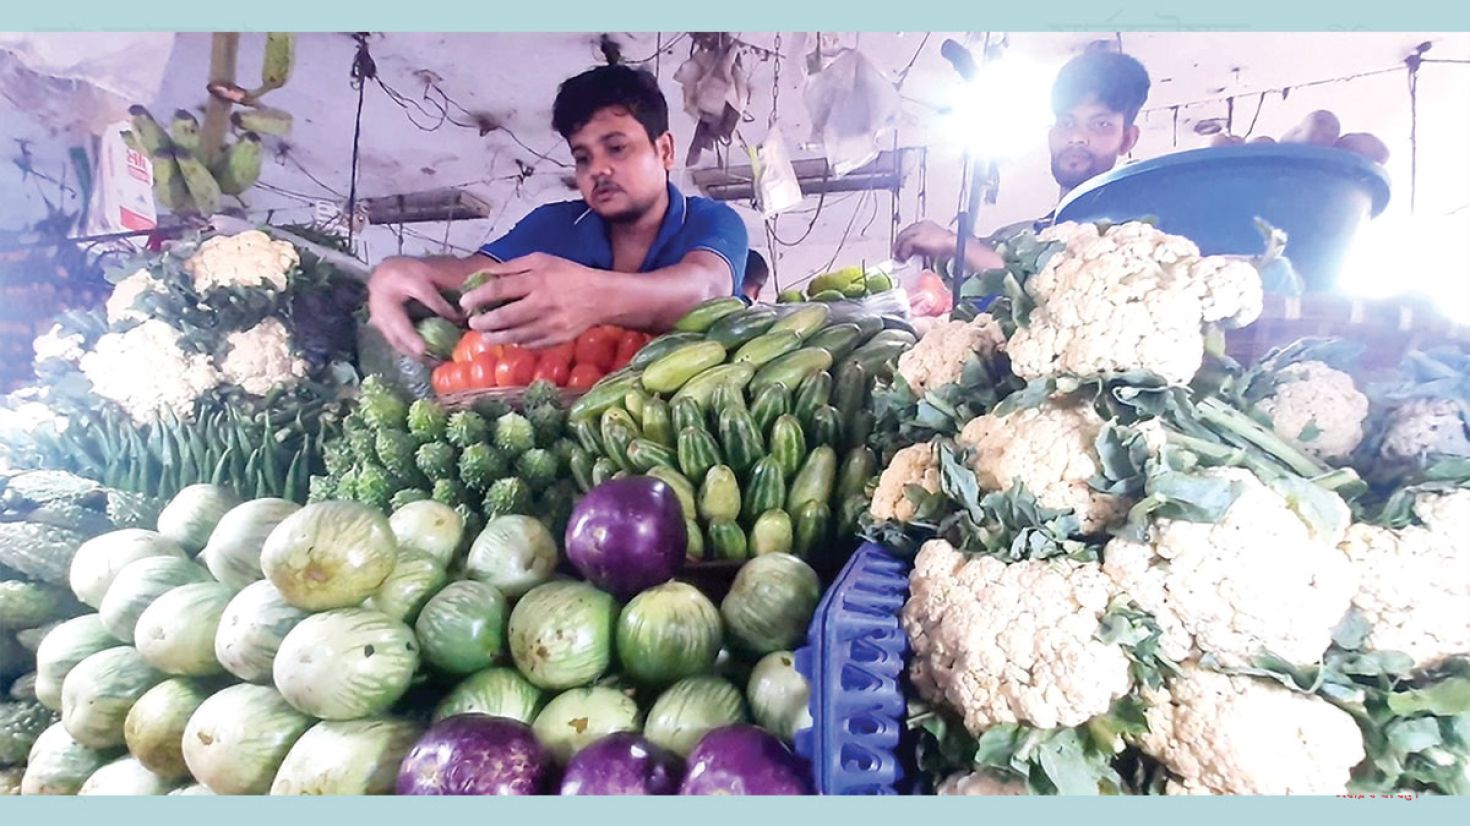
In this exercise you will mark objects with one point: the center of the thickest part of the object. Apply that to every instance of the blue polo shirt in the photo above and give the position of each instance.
(571, 230)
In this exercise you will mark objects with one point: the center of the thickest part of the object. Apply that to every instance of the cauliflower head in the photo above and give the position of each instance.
(147, 373)
(249, 259)
(914, 465)
(1261, 579)
(1130, 298)
(55, 345)
(1223, 734)
(1049, 449)
(262, 358)
(1315, 400)
(1420, 427)
(1011, 643)
(1414, 583)
(125, 294)
(982, 783)
(940, 356)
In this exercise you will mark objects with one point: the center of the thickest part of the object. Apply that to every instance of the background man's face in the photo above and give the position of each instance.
(1087, 141)
(620, 172)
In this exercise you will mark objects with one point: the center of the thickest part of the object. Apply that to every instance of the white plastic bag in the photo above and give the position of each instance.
(853, 106)
(82, 81)
(776, 186)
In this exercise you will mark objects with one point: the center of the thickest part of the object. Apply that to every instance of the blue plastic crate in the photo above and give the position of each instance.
(854, 660)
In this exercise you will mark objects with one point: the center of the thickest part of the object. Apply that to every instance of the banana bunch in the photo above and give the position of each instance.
(192, 171)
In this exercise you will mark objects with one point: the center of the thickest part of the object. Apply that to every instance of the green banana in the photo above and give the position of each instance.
(185, 132)
(168, 183)
(280, 54)
(149, 134)
(203, 188)
(239, 169)
(263, 121)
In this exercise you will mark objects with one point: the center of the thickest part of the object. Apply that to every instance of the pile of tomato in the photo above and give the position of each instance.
(575, 365)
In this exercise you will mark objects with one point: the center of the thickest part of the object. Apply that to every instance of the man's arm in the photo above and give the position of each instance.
(930, 240)
(544, 300)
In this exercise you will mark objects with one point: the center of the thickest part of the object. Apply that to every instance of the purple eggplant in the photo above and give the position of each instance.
(628, 535)
(476, 754)
(622, 764)
(744, 760)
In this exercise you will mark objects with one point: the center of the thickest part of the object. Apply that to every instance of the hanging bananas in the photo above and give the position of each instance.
(182, 182)
(240, 167)
(280, 54)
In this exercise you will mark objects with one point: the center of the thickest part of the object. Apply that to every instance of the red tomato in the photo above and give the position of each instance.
(628, 345)
(560, 354)
(583, 376)
(553, 371)
(478, 347)
(597, 347)
(482, 372)
(440, 378)
(457, 377)
(516, 368)
(462, 349)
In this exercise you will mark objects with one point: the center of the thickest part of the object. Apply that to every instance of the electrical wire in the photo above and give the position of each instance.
(903, 74)
(363, 70)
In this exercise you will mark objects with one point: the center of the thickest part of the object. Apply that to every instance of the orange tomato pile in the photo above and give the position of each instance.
(575, 365)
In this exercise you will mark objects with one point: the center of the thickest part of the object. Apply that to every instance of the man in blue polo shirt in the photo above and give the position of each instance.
(635, 251)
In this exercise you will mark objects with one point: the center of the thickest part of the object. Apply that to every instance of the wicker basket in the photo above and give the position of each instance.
(1389, 328)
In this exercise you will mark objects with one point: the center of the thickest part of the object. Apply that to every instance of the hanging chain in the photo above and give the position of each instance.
(775, 85)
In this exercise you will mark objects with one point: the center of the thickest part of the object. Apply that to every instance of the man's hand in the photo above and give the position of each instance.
(1320, 128)
(925, 238)
(538, 300)
(392, 284)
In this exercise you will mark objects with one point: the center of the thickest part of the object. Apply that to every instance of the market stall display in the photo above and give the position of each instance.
(225, 360)
(1091, 494)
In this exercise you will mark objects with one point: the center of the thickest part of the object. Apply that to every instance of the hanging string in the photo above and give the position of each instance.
(1414, 61)
(775, 85)
(363, 70)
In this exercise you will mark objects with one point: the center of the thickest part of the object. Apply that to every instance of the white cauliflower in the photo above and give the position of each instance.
(1133, 298)
(250, 259)
(1315, 400)
(982, 783)
(125, 294)
(1223, 734)
(1421, 427)
(1414, 583)
(1011, 643)
(1050, 450)
(146, 372)
(914, 465)
(1261, 579)
(940, 356)
(54, 345)
(262, 358)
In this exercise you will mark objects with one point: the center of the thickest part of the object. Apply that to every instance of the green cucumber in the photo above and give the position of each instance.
(706, 313)
(697, 453)
(788, 445)
(674, 370)
(736, 329)
(646, 454)
(765, 491)
(741, 439)
(813, 483)
(662, 346)
(727, 541)
(719, 495)
(773, 534)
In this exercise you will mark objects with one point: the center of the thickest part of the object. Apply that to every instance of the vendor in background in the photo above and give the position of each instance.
(1096, 99)
(756, 273)
(634, 251)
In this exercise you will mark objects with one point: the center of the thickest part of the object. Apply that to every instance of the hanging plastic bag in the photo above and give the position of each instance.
(82, 81)
(853, 106)
(776, 186)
